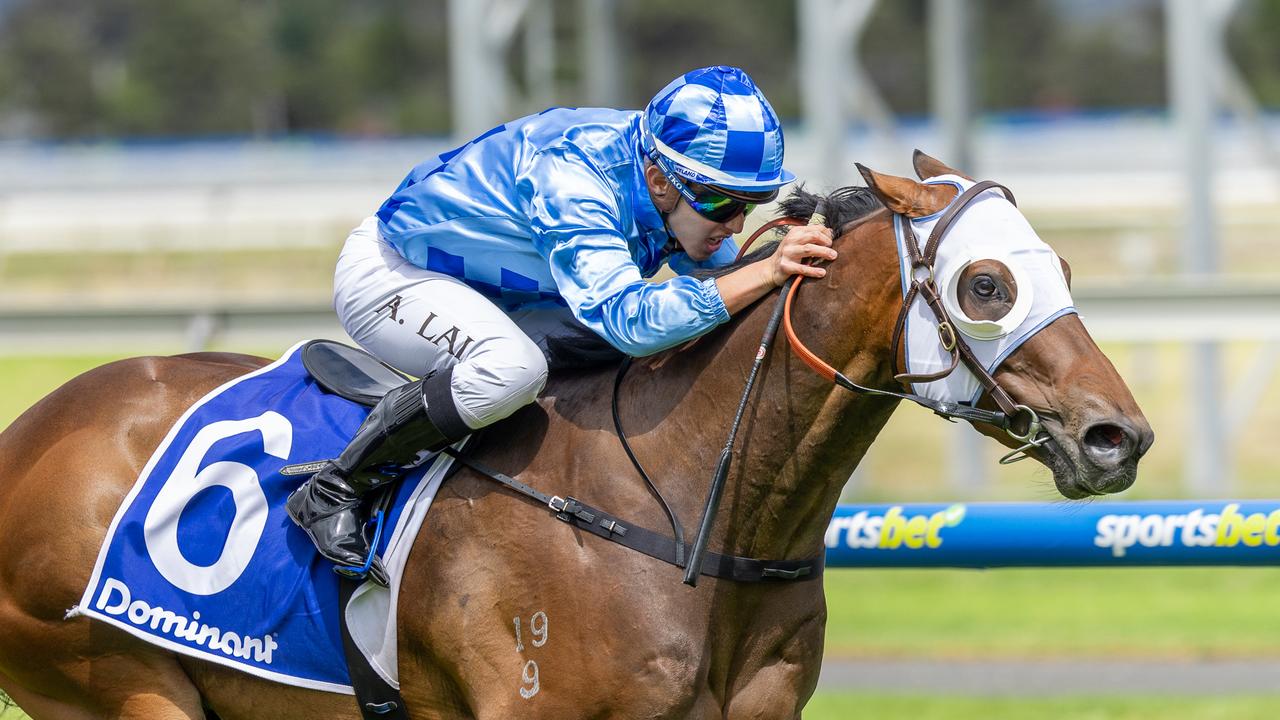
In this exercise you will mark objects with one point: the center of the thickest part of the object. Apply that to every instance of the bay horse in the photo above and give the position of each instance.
(506, 612)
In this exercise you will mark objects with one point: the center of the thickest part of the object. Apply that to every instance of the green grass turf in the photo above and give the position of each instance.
(847, 706)
(1135, 613)
(1116, 613)
(959, 613)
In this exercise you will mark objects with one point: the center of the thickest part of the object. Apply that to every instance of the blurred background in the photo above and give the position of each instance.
(180, 174)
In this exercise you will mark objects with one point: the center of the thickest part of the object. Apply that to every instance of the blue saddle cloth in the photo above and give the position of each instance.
(202, 558)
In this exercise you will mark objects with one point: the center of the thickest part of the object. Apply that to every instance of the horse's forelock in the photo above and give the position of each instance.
(842, 205)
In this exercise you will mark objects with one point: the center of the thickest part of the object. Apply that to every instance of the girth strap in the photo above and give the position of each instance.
(376, 698)
(648, 542)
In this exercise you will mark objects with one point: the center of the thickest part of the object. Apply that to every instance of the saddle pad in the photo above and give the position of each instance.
(202, 558)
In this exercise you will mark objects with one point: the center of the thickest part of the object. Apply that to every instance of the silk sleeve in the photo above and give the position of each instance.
(576, 220)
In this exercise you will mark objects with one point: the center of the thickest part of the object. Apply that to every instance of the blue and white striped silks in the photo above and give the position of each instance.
(202, 558)
(553, 209)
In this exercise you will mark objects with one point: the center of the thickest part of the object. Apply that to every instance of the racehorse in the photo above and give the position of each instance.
(505, 611)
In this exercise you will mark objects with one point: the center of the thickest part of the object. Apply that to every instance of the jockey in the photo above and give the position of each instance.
(491, 259)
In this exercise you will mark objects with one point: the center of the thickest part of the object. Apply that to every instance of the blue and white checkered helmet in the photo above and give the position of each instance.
(715, 127)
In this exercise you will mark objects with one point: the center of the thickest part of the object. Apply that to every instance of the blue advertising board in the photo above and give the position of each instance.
(986, 535)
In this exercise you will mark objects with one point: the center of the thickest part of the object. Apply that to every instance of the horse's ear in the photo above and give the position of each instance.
(927, 167)
(905, 196)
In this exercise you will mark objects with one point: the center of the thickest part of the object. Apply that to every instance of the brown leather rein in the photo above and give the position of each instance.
(1019, 421)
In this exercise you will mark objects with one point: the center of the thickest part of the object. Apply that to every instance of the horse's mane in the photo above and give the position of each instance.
(842, 206)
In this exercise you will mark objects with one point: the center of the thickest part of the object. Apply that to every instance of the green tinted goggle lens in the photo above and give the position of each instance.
(719, 208)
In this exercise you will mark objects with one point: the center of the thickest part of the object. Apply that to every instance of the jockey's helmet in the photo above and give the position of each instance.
(714, 127)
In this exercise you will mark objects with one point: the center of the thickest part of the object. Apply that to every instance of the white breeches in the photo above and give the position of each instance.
(420, 321)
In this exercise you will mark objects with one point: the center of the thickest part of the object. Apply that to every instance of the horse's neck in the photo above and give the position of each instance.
(800, 438)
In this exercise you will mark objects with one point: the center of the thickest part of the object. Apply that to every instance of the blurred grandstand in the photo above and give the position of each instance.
(176, 173)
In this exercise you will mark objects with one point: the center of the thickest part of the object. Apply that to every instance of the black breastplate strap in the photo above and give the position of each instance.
(653, 544)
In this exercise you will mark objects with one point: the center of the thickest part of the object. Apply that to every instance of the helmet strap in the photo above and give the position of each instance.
(672, 244)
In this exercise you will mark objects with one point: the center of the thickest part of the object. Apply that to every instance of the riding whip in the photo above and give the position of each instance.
(694, 567)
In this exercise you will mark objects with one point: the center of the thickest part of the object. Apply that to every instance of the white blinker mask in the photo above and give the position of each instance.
(990, 228)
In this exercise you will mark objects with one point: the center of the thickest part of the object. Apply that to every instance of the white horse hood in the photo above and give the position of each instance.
(990, 228)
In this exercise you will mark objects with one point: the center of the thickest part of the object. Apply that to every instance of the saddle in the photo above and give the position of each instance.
(349, 372)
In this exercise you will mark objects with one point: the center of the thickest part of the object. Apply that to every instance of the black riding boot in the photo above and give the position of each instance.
(413, 418)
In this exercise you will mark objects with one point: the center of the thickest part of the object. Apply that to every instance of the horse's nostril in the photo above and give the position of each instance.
(1108, 444)
(1105, 436)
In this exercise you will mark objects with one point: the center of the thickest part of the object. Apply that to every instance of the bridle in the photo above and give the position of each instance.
(1019, 421)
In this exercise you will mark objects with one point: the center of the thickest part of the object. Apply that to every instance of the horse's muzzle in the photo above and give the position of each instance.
(1107, 454)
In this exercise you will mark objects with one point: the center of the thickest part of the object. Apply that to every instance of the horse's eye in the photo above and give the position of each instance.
(983, 286)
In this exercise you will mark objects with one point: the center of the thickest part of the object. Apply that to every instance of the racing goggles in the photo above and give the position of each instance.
(718, 205)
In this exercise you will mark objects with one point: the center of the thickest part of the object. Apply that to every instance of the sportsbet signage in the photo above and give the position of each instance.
(1224, 532)
(893, 529)
(1227, 528)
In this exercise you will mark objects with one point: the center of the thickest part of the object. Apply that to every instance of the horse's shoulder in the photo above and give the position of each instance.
(580, 398)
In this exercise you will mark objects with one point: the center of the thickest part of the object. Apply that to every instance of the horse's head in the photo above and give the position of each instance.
(1001, 297)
